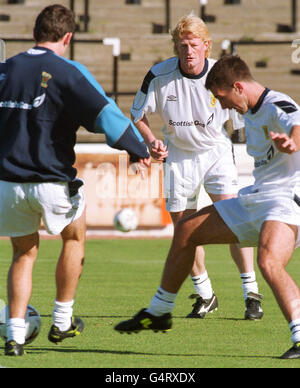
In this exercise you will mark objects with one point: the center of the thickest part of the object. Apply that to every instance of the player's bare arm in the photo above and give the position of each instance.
(156, 147)
(285, 143)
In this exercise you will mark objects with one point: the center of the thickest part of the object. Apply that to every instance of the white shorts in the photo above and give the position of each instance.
(185, 172)
(246, 214)
(24, 205)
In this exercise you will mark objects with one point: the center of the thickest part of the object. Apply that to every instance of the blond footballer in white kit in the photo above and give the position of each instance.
(197, 148)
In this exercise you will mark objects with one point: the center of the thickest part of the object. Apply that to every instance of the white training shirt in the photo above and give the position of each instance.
(193, 117)
(275, 112)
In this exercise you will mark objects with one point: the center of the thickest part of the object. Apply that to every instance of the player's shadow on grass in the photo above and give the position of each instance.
(92, 316)
(41, 350)
(212, 317)
(130, 316)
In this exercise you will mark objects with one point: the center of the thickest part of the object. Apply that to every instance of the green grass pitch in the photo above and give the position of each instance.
(119, 278)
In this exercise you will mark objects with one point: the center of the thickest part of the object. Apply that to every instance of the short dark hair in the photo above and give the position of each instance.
(53, 23)
(226, 71)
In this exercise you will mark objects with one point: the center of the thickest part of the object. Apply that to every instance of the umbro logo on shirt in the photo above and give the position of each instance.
(172, 98)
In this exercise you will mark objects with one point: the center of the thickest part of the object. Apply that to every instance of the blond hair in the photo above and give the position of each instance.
(191, 24)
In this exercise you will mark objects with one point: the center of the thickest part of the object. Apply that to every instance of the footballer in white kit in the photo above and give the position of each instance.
(275, 194)
(199, 148)
(196, 150)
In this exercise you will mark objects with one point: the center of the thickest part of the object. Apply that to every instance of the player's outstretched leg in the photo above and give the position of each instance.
(145, 321)
(188, 234)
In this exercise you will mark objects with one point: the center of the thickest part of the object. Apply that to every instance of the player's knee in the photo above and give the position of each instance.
(268, 264)
(25, 247)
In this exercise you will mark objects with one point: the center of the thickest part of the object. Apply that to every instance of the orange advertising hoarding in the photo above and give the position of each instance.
(110, 184)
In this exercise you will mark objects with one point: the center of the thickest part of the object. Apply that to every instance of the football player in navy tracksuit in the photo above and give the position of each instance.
(44, 99)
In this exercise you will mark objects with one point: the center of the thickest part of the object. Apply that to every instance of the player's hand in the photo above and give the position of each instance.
(158, 150)
(141, 166)
(283, 142)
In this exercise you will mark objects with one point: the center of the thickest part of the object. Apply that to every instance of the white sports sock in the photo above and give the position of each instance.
(295, 329)
(249, 283)
(16, 330)
(161, 303)
(202, 285)
(62, 314)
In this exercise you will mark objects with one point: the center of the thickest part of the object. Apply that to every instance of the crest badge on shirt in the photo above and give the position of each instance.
(45, 78)
(213, 101)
